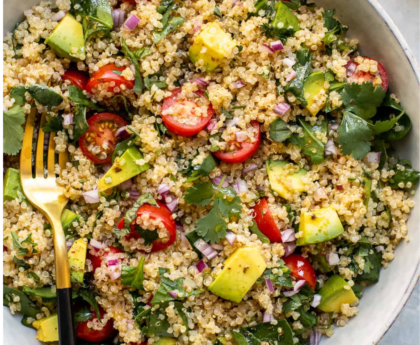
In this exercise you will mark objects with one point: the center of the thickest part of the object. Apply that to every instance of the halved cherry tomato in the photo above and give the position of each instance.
(245, 149)
(93, 335)
(161, 213)
(97, 260)
(101, 133)
(76, 78)
(106, 75)
(265, 221)
(301, 269)
(356, 76)
(186, 107)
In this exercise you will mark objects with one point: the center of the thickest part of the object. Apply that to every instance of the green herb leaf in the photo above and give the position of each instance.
(78, 97)
(45, 95)
(13, 119)
(212, 227)
(302, 68)
(147, 235)
(82, 315)
(279, 131)
(283, 279)
(171, 26)
(336, 32)
(53, 124)
(354, 136)
(80, 123)
(216, 11)
(372, 268)
(21, 263)
(203, 169)
(404, 176)
(307, 319)
(254, 229)
(310, 144)
(180, 309)
(138, 82)
(142, 52)
(200, 194)
(34, 276)
(133, 276)
(27, 307)
(44, 292)
(18, 94)
(89, 297)
(117, 72)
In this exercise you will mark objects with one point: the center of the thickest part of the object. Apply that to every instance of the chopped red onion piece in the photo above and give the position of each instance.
(134, 194)
(317, 300)
(282, 108)
(184, 240)
(241, 136)
(330, 148)
(112, 261)
(56, 17)
(380, 249)
(131, 22)
(197, 25)
(200, 82)
(212, 125)
(267, 318)
(201, 266)
(174, 294)
(289, 248)
(333, 259)
(288, 235)
(240, 186)
(126, 185)
(374, 157)
(115, 271)
(231, 237)
(350, 68)
(205, 249)
(217, 246)
(163, 189)
(122, 132)
(289, 62)
(179, 226)
(276, 45)
(232, 122)
(216, 181)
(67, 119)
(238, 84)
(291, 76)
(339, 187)
(97, 245)
(173, 204)
(91, 197)
(266, 49)
(299, 284)
(269, 284)
(333, 126)
(149, 301)
(249, 168)
(315, 338)
(118, 16)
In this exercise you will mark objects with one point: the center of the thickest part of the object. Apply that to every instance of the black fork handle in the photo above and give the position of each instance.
(66, 327)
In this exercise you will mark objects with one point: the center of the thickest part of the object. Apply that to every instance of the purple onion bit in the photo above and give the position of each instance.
(316, 301)
(267, 317)
(315, 338)
(330, 148)
(174, 294)
(131, 22)
(266, 49)
(269, 284)
(205, 249)
(288, 235)
(231, 237)
(333, 259)
(299, 284)
(200, 82)
(118, 17)
(201, 266)
(91, 197)
(249, 168)
(216, 181)
(276, 45)
(289, 248)
(238, 84)
(282, 108)
(374, 157)
(292, 75)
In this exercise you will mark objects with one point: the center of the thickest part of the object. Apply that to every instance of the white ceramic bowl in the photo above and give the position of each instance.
(379, 38)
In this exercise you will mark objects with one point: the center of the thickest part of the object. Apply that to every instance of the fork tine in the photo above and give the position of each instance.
(39, 157)
(51, 156)
(26, 153)
(63, 158)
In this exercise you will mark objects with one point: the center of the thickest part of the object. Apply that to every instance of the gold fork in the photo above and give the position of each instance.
(44, 193)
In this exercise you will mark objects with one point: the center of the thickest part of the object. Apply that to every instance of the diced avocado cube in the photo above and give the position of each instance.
(77, 260)
(165, 341)
(67, 39)
(212, 46)
(68, 218)
(123, 169)
(315, 92)
(285, 178)
(335, 292)
(47, 328)
(319, 226)
(12, 188)
(241, 270)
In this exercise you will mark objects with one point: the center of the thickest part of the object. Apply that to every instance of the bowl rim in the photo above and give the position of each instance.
(385, 327)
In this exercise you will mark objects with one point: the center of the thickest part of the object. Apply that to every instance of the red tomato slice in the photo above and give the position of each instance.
(186, 107)
(97, 260)
(106, 75)
(245, 150)
(161, 213)
(92, 335)
(102, 128)
(265, 221)
(301, 269)
(356, 76)
(76, 78)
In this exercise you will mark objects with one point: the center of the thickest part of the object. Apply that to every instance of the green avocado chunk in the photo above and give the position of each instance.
(123, 169)
(47, 328)
(319, 226)
(12, 188)
(335, 292)
(241, 270)
(77, 260)
(165, 341)
(67, 39)
(315, 92)
(67, 218)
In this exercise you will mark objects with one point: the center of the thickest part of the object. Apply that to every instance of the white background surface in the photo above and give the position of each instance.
(406, 15)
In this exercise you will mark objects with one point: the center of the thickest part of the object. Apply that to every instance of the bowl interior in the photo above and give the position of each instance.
(381, 303)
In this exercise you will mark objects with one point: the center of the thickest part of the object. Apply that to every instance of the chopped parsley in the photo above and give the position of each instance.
(133, 276)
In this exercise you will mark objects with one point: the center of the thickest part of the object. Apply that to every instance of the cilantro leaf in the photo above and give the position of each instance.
(254, 229)
(200, 194)
(362, 99)
(354, 136)
(45, 95)
(20, 263)
(228, 203)
(302, 68)
(133, 276)
(384, 126)
(80, 123)
(180, 309)
(13, 119)
(18, 94)
(89, 297)
(336, 31)
(279, 131)
(27, 307)
(309, 143)
(53, 124)
(77, 96)
(372, 268)
(284, 279)
(404, 176)
(307, 319)
(148, 235)
(212, 227)
(203, 169)
(82, 315)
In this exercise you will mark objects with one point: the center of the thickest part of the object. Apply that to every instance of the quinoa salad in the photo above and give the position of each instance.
(231, 175)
